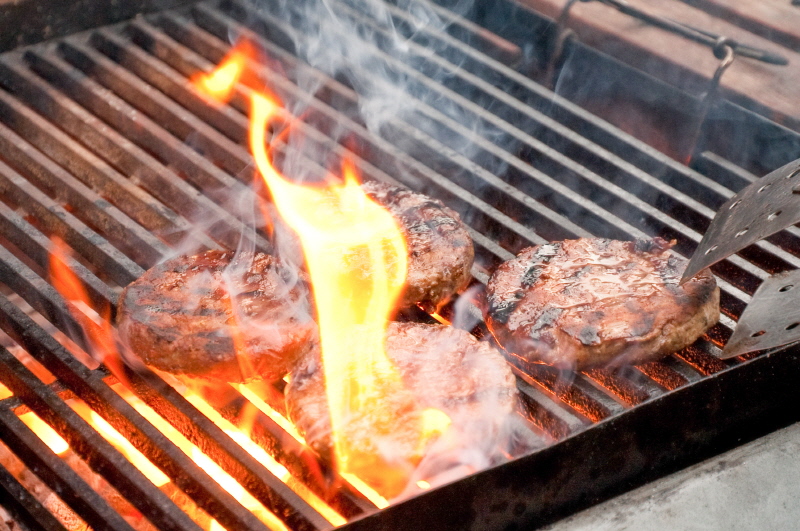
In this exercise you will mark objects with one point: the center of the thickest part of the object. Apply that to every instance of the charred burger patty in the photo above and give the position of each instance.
(440, 251)
(590, 302)
(217, 317)
(441, 367)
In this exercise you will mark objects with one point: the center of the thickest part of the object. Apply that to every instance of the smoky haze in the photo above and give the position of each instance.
(390, 69)
(393, 83)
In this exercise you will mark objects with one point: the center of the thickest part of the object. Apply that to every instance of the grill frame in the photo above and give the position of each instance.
(732, 402)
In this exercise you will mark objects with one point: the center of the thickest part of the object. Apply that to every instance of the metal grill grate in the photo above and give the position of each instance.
(103, 144)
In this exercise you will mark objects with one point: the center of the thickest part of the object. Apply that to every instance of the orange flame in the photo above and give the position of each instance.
(357, 259)
(211, 468)
(97, 327)
(99, 332)
(218, 85)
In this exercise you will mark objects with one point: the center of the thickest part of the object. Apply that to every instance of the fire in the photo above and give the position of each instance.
(99, 332)
(356, 257)
(97, 327)
(217, 85)
(213, 470)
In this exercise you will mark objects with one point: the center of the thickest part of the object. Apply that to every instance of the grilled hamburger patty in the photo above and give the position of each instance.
(440, 250)
(441, 367)
(181, 316)
(590, 302)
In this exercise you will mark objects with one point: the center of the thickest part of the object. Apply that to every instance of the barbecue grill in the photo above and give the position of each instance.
(103, 144)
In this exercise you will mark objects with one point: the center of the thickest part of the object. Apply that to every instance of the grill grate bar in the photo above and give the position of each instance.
(125, 233)
(702, 362)
(382, 156)
(24, 236)
(577, 400)
(22, 506)
(622, 389)
(152, 443)
(663, 375)
(553, 426)
(270, 491)
(98, 453)
(136, 127)
(49, 467)
(232, 157)
(225, 119)
(127, 157)
(93, 172)
(274, 494)
(317, 475)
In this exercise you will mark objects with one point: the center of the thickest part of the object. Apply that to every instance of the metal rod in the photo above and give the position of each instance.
(697, 35)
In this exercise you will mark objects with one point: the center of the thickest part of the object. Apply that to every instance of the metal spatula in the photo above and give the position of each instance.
(772, 318)
(765, 207)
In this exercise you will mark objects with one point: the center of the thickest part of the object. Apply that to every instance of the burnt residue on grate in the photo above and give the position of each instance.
(103, 144)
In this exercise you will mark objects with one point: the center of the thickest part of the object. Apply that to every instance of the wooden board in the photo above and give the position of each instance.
(768, 89)
(775, 20)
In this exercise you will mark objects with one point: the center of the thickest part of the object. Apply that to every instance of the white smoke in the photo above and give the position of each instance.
(396, 69)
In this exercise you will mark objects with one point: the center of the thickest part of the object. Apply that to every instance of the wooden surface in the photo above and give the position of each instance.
(775, 20)
(768, 89)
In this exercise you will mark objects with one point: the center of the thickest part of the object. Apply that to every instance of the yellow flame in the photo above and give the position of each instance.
(356, 257)
(43, 430)
(217, 85)
(213, 470)
(267, 460)
(369, 493)
(433, 423)
(237, 491)
(441, 319)
(265, 408)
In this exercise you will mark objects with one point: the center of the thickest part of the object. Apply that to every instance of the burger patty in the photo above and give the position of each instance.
(215, 316)
(440, 251)
(592, 302)
(441, 367)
